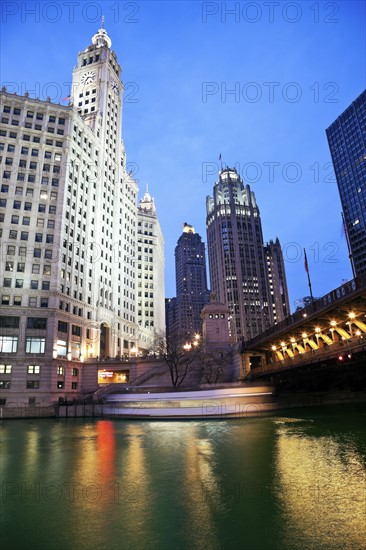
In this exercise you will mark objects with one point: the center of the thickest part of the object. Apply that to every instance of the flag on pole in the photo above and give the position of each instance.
(67, 98)
(306, 262)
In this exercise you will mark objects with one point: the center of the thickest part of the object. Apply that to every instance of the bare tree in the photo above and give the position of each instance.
(179, 353)
(213, 365)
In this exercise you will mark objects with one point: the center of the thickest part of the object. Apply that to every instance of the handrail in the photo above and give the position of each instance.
(310, 357)
(331, 298)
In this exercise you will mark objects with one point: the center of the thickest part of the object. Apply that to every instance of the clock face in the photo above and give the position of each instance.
(88, 77)
(114, 86)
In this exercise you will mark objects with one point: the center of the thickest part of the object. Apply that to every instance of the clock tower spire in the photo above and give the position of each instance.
(97, 89)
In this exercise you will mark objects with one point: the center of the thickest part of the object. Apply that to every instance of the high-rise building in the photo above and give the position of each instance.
(191, 281)
(150, 272)
(347, 143)
(279, 299)
(245, 275)
(69, 209)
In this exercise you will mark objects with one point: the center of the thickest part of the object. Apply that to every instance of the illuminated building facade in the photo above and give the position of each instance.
(347, 143)
(245, 275)
(191, 281)
(69, 233)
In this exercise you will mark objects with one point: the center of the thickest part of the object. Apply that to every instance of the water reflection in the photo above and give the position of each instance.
(321, 486)
(201, 490)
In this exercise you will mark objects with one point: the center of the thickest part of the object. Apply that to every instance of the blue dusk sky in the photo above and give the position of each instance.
(257, 82)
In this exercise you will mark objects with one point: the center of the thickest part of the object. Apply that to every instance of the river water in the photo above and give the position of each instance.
(290, 482)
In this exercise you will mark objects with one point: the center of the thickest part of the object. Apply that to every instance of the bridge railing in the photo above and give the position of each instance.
(314, 356)
(338, 294)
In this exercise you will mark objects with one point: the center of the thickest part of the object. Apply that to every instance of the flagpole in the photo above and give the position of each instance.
(348, 245)
(308, 274)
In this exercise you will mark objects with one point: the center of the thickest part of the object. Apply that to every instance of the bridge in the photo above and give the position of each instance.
(329, 332)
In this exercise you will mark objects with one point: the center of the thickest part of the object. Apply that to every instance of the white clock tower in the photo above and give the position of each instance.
(97, 90)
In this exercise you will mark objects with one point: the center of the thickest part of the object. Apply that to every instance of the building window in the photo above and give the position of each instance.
(62, 326)
(33, 369)
(37, 322)
(61, 371)
(34, 344)
(9, 322)
(34, 285)
(32, 384)
(17, 301)
(75, 372)
(62, 348)
(76, 330)
(35, 268)
(8, 344)
(32, 302)
(44, 302)
(5, 369)
(4, 384)
(60, 385)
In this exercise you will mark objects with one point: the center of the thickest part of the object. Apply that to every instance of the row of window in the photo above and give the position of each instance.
(25, 151)
(30, 114)
(17, 301)
(37, 252)
(15, 122)
(38, 237)
(34, 385)
(33, 344)
(36, 139)
(34, 285)
(36, 268)
(28, 207)
(36, 369)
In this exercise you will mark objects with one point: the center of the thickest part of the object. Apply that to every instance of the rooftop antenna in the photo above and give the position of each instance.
(102, 21)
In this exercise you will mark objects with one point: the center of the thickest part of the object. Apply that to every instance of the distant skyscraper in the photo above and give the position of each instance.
(277, 280)
(347, 143)
(246, 276)
(191, 281)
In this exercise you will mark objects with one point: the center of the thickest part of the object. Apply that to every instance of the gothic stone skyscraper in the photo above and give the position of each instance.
(241, 268)
(347, 143)
(191, 281)
(69, 234)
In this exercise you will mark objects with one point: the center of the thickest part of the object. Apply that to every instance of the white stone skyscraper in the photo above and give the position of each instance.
(150, 273)
(240, 266)
(69, 235)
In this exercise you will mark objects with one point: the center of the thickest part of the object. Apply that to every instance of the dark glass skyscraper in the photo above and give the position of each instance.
(191, 281)
(347, 143)
(247, 276)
